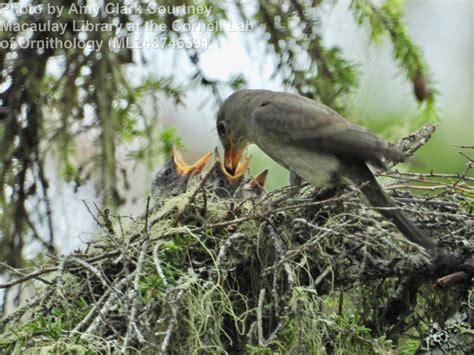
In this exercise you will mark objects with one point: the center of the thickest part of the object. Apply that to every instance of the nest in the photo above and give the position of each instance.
(321, 272)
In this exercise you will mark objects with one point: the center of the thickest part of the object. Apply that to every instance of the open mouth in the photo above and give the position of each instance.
(234, 169)
(183, 169)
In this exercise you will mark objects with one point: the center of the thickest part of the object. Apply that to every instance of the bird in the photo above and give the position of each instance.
(316, 144)
(226, 185)
(171, 179)
(255, 186)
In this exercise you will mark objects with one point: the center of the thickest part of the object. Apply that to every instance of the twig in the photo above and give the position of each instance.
(452, 279)
(471, 159)
(172, 322)
(30, 276)
(18, 272)
(225, 246)
(193, 196)
(466, 170)
(278, 245)
(44, 186)
(261, 298)
(250, 332)
(399, 174)
(156, 260)
(422, 201)
(426, 188)
(61, 270)
(92, 269)
(410, 144)
(92, 312)
(101, 316)
(321, 277)
(464, 146)
(146, 228)
(134, 298)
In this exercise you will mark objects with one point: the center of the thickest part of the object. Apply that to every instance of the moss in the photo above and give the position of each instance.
(310, 275)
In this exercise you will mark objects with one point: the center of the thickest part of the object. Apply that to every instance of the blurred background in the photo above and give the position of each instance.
(84, 127)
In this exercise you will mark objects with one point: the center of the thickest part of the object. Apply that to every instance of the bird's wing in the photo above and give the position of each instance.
(312, 126)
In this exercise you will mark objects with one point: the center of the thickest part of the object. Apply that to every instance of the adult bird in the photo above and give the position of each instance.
(315, 143)
(171, 179)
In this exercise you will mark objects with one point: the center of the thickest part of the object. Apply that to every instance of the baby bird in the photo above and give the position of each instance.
(227, 185)
(172, 178)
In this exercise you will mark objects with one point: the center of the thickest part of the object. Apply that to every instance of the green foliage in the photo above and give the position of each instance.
(293, 32)
(469, 204)
(315, 329)
(165, 85)
(410, 347)
(429, 112)
(387, 19)
(237, 82)
(169, 140)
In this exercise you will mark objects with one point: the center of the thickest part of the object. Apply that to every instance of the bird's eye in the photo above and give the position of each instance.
(221, 183)
(168, 171)
(221, 129)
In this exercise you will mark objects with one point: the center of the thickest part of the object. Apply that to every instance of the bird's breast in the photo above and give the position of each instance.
(314, 167)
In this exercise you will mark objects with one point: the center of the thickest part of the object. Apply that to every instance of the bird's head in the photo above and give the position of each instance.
(254, 187)
(224, 183)
(171, 179)
(185, 170)
(233, 130)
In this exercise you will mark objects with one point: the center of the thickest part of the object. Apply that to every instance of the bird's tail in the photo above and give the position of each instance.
(378, 198)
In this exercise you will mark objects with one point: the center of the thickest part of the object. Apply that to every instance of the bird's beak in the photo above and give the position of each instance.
(259, 180)
(237, 171)
(184, 169)
(232, 157)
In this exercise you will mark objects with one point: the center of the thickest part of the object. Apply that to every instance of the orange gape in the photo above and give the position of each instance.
(184, 169)
(233, 172)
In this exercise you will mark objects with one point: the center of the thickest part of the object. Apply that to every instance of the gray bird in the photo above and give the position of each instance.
(254, 187)
(227, 185)
(315, 143)
(171, 179)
